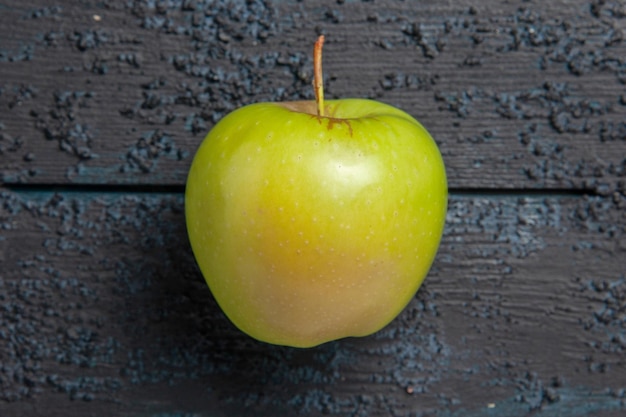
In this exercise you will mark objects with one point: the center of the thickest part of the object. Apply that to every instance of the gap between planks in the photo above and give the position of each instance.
(180, 189)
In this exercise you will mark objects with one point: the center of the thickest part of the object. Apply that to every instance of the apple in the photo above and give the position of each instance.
(315, 220)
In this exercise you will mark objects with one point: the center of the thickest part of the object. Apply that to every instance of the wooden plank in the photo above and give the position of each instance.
(103, 312)
(518, 95)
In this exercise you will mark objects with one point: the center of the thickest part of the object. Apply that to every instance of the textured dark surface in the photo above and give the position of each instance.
(103, 103)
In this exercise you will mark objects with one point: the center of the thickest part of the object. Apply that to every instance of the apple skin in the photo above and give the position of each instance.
(309, 229)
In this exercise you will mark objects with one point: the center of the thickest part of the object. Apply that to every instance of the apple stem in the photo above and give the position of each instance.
(318, 81)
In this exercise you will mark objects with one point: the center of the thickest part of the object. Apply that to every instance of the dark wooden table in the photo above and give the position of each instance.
(103, 103)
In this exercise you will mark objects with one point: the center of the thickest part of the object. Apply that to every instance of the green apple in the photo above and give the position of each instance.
(312, 227)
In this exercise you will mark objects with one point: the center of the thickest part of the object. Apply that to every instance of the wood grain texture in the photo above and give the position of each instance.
(518, 94)
(103, 103)
(104, 312)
